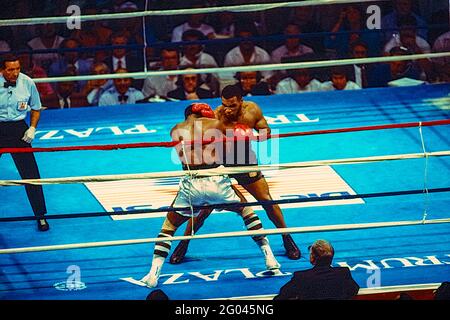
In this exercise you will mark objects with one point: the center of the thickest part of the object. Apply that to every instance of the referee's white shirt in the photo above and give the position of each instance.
(16, 101)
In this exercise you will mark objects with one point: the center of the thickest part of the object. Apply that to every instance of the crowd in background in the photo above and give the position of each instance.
(223, 39)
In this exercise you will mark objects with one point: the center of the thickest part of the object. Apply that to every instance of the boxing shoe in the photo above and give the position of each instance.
(272, 263)
(179, 252)
(293, 252)
(43, 225)
(272, 266)
(151, 279)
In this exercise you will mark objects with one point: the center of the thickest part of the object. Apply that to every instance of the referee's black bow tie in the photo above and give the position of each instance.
(9, 84)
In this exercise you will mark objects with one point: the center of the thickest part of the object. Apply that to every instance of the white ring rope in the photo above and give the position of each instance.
(144, 36)
(337, 227)
(425, 178)
(260, 67)
(222, 170)
(187, 11)
(191, 176)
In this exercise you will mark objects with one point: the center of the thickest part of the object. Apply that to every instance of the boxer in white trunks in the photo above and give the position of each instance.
(201, 126)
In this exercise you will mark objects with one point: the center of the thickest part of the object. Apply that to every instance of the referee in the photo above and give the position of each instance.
(18, 95)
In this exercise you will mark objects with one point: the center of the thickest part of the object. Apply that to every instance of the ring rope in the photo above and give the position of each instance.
(221, 171)
(336, 227)
(191, 175)
(272, 136)
(187, 11)
(425, 178)
(144, 38)
(260, 67)
(225, 205)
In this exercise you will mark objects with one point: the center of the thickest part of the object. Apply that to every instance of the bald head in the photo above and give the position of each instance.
(321, 253)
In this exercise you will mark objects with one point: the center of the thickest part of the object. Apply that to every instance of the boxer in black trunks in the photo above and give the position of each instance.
(243, 116)
(200, 123)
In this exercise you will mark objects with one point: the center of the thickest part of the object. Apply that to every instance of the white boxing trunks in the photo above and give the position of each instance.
(204, 191)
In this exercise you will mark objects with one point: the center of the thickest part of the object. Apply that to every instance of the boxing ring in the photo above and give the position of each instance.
(411, 189)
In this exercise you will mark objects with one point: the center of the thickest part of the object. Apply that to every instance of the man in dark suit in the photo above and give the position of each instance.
(121, 58)
(322, 282)
(65, 96)
(367, 75)
(189, 89)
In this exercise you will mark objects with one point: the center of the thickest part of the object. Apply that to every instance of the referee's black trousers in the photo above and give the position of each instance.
(11, 134)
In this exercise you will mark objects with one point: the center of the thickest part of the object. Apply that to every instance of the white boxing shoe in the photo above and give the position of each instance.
(272, 267)
(272, 263)
(151, 279)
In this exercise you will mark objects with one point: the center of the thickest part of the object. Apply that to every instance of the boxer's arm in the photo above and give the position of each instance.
(220, 126)
(176, 136)
(172, 134)
(218, 112)
(261, 124)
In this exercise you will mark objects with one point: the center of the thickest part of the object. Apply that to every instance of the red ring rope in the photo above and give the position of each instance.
(275, 136)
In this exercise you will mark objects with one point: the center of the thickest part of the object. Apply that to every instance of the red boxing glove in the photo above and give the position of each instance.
(243, 130)
(203, 110)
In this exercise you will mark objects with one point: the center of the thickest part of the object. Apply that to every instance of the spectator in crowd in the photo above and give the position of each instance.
(408, 37)
(33, 71)
(46, 39)
(131, 27)
(391, 22)
(339, 80)
(21, 34)
(92, 34)
(122, 58)
(65, 95)
(292, 46)
(442, 44)
(322, 282)
(304, 18)
(224, 26)
(189, 88)
(298, 80)
(194, 56)
(367, 75)
(405, 68)
(349, 28)
(70, 59)
(195, 21)
(121, 92)
(443, 292)
(246, 53)
(252, 84)
(95, 88)
(439, 19)
(161, 85)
